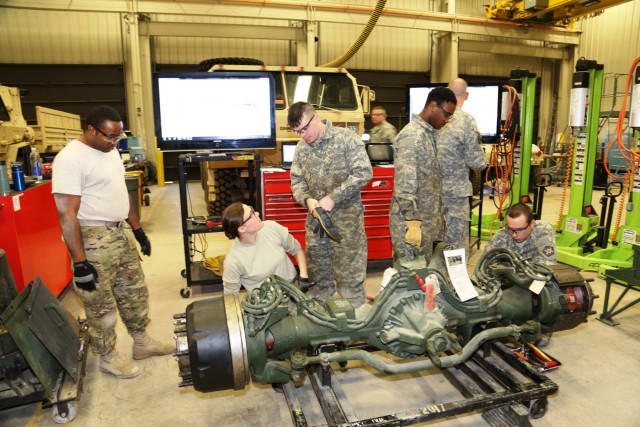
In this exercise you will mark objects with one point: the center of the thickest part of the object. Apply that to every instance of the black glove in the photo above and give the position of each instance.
(145, 244)
(303, 283)
(85, 275)
(325, 226)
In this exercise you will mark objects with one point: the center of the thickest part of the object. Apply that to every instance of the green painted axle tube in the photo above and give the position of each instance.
(276, 332)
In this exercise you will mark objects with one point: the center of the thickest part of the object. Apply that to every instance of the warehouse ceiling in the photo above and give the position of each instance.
(318, 11)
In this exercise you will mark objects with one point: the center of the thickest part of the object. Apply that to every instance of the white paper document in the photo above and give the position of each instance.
(457, 268)
(536, 286)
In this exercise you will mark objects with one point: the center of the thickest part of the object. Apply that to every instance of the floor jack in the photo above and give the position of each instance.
(495, 381)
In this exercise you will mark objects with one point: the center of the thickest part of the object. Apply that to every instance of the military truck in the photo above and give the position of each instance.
(14, 131)
(53, 129)
(332, 91)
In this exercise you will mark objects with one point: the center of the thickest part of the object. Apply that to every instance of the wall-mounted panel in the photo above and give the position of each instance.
(52, 37)
(612, 38)
(486, 64)
(192, 50)
(389, 49)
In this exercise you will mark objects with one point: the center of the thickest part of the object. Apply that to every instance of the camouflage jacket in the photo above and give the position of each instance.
(417, 183)
(336, 165)
(385, 132)
(540, 247)
(458, 151)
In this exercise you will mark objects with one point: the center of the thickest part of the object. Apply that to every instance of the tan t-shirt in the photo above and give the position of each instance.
(249, 265)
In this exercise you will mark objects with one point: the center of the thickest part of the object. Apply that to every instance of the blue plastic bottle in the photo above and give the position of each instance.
(17, 173)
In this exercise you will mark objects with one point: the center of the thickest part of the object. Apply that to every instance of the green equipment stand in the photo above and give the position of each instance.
(525, 84)
(630, 279)
(580, 226)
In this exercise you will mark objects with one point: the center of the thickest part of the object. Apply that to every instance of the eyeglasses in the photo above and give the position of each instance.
(516, 230)
(445, 112)
(304, 129)
(114, 138)
(251, 214)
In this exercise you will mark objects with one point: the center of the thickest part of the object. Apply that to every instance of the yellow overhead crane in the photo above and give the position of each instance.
(562, 13)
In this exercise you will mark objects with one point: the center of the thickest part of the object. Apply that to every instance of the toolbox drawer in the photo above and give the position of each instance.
(279, 205)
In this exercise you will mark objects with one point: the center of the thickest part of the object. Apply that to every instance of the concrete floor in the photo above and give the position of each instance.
(598, 380)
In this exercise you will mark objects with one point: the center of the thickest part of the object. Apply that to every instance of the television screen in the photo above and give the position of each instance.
(483, 103)
(219, 111)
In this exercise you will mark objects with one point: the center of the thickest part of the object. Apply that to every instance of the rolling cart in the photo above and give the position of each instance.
(194, 271)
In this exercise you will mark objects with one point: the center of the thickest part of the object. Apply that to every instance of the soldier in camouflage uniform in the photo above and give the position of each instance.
(534, 240)
(458, 151)
(417, 195)
(382, 131)
(329, 168)
(97, 217)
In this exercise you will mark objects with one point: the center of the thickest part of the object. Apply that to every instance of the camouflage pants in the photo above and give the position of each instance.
(341, 266)
(121, 286)
(457, 215)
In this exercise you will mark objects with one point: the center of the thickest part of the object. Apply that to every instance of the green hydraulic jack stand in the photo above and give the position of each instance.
(630, 277)
(525, 84)
(579, 226)
(623, 250)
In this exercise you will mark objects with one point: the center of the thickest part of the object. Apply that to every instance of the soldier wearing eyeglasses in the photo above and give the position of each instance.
(97, 217)
(259, 251)
(416, 217)
(533, 240)
(330, 167)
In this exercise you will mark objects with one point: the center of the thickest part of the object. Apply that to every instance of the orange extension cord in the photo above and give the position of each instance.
(629, 154)
(503, 150)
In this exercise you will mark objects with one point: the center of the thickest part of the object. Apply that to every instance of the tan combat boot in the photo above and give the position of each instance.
(144, 346)
(112, 364)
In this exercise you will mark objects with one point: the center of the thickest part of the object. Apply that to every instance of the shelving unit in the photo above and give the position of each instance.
(195, 272)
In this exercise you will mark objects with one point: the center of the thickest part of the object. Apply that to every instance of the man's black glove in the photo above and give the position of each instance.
(303, 284)
(85, 275)
(145, 244)
(325, 226)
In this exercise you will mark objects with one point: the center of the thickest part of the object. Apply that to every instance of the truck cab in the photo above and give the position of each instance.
(333, 92)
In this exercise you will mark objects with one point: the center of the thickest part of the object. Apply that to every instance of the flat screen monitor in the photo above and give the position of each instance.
(218, 111)
(288, 150)
(483, 103)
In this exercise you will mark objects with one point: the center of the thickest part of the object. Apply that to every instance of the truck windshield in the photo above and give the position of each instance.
(332, 91)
